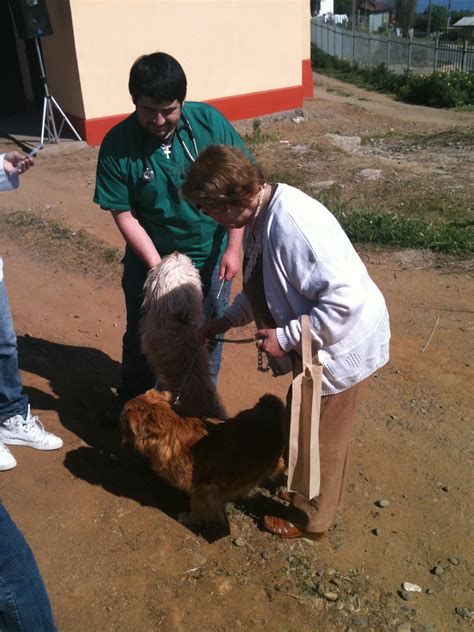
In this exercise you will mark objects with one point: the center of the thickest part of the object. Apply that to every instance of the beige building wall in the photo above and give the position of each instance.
(61, 61)
(228, 48)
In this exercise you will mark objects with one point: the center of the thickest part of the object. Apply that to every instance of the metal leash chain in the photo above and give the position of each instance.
(244, 341)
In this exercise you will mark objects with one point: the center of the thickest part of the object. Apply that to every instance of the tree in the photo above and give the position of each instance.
(343, 7)
(405, 12)
(455, 16)
(439, 18)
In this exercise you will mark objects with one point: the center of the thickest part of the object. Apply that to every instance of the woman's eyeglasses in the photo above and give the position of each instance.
(207, 211)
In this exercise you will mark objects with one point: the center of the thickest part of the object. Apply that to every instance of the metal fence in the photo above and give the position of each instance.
(397, 53)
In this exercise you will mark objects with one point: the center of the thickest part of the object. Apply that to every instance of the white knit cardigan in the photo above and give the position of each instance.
(310, 267)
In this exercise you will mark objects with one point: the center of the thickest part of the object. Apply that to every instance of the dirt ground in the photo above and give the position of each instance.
(103, 527)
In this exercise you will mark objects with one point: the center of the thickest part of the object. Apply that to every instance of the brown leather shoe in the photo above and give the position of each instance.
(285, 495)
(285, 529)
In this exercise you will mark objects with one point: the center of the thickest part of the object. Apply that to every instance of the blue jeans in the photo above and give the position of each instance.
(137, 375)
(24, 602)
(12, 400)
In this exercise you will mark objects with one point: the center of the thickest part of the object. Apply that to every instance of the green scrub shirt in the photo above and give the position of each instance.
(172, 223)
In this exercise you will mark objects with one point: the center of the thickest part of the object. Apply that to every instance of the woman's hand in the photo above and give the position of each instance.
(212, 328)
(270, 344)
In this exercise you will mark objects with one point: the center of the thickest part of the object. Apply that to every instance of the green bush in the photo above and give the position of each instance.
(437, 89)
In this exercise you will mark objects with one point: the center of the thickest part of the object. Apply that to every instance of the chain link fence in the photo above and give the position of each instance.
(397, 53)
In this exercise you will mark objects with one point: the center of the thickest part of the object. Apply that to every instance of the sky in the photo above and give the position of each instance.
(458, 5)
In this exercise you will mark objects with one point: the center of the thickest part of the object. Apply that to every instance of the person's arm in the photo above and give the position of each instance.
(236, 315)
(318, 261)
(226, 134)
(214, 327)
(230, 260)
(137, 237)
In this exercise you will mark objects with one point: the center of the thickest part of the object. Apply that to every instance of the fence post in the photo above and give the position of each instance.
(370, 56)
(353, 46)
(464, 55)
(436, 54)
(388, 51)
(409, 52)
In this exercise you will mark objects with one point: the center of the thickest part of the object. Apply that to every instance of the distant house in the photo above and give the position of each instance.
(326, 7)
(374, 15)
(466, 26)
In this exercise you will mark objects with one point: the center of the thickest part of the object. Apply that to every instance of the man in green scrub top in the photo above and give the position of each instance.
(142, 164)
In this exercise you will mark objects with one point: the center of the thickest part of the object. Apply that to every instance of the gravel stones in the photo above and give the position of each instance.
(409, 587)
(371, 174)
(358, 621)
(437, 570)
(463, 612)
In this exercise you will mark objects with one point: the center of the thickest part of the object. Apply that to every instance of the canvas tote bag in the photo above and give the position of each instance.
(303, 463)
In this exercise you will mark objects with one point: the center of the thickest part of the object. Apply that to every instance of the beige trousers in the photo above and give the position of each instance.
(336, 418)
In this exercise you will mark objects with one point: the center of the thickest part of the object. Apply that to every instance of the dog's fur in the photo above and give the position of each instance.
(172, 315)
(210, 459)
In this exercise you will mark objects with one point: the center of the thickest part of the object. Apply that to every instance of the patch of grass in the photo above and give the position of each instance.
(258, 135)
(111, 255)
(464, 108)
(52, 241)
(463, 137)
(339, 91)
(295, 178)
(381, 227)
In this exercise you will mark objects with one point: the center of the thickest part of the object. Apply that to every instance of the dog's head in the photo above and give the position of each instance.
(174, 288)
(139, 418)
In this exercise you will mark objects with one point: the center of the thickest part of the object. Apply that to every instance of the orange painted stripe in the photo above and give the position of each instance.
(237, 107)
(308, 86)
(253, 104)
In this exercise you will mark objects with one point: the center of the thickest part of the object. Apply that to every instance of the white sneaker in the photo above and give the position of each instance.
(7, 460)
(28, 431)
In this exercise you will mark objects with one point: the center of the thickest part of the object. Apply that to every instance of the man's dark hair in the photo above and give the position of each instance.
(159, 77)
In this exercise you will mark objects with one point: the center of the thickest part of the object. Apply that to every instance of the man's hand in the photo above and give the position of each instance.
(15, 164)
(229, 265)
(270, 344)
(230, 261)
(213, 327)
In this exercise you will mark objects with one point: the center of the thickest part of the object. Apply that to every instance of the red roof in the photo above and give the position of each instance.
(375, 7)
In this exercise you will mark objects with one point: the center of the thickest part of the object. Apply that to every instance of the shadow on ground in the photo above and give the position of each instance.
(82, 379)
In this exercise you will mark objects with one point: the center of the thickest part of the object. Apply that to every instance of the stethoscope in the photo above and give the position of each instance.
(148, 174)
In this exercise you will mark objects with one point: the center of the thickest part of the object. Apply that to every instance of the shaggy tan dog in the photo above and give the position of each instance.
(211, 460)
(173, 313)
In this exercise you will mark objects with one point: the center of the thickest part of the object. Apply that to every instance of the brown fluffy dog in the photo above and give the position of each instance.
(173, 313)
(211, 460)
